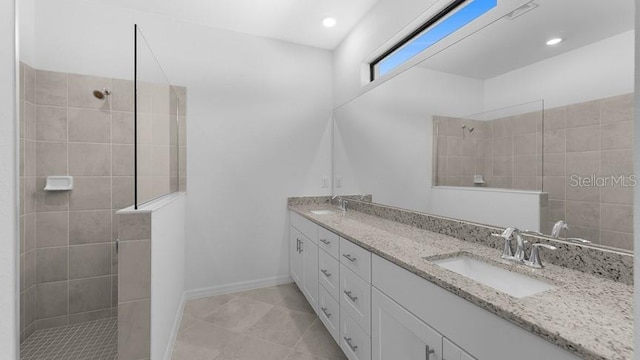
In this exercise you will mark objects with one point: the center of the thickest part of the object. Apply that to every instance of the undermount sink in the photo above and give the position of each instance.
(322, 212)
(512, 283)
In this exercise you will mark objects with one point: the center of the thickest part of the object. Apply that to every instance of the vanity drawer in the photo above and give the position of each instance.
(355, 343)
(329, 274)
(356, 258)
(329, 242)
(306, 227)
(355, 298)
(329, 313)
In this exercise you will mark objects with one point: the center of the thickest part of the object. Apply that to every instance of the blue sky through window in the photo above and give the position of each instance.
(444, 28)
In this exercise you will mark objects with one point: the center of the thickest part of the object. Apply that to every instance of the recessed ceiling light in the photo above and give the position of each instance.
(329, 22)
(554, 41)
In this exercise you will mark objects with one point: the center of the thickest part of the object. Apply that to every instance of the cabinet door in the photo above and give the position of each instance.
(310, 283)
(355, 343)
(398, 335)
(329, 275)
(329, 313)
(295, 257)
(451, 351)
(355, 297)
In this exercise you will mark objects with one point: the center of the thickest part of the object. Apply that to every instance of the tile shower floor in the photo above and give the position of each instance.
(274, 323)
(93, 340)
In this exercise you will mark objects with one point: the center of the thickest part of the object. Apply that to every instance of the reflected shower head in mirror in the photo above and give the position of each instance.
(467, 128)
(101, 94)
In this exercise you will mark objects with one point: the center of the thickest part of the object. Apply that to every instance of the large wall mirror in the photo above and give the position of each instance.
(501, 128)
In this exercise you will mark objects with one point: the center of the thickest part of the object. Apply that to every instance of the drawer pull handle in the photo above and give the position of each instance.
(324, 310)
(428, 351)
(325, 272)
(349, 257)
(298, 245)
(353, 348)
(325, 241)
(351, 297)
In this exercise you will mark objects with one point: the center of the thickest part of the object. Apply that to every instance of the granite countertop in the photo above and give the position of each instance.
(586, 315)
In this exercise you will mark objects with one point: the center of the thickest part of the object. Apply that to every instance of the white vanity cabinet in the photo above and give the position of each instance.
(377, 310)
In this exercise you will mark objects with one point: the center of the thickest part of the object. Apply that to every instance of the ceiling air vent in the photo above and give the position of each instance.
(521, 10)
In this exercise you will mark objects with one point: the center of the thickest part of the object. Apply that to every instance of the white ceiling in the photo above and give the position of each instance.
(298, 21)
(507, 45)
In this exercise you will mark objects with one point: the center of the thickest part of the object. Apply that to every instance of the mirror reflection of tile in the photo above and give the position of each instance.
(581, 154)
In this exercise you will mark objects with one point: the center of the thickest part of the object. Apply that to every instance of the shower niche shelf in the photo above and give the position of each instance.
(59, 183)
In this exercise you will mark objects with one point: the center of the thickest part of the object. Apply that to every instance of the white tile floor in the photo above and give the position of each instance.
(274, 323)
(93, 340)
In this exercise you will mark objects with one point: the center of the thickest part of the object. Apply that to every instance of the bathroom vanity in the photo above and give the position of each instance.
(381, 290)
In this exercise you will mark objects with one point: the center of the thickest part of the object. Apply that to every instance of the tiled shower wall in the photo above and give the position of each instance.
(587, 139)
(69, 265)
(506, 151)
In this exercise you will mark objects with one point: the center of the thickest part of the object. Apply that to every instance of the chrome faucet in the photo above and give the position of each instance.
(520, 255)
(342, 203)
(558, 227)
(508, 254)
(535, 261)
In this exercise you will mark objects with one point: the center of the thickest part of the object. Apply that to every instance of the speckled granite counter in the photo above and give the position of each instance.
(588, 315)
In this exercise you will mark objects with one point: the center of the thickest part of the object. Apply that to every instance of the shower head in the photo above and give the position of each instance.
(101, 94)
(468, 128)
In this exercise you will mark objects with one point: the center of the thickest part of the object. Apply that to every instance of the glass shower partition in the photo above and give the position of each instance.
(159, 107)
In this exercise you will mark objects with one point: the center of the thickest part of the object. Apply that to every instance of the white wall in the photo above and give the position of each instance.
(258, 125)
(595, 71)
(264, 135)
(384, 139)
(496, 207)
(8, 184)
(168, 234)
(27, 30)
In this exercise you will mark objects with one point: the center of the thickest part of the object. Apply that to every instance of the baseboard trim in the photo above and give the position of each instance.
(237, 287)
(175, 329)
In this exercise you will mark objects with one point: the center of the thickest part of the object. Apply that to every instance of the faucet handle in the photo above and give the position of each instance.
(534, 259)
(578, 240)
(532, 232)
(507, 252)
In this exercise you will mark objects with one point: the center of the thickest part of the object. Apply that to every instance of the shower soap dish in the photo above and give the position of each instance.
(59, 183)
